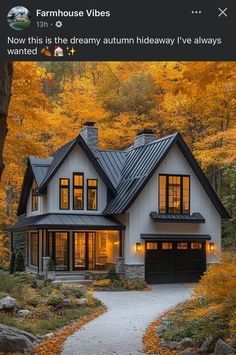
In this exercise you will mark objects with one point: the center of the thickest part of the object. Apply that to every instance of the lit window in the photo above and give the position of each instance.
(174, 194)
(92, 194)
(166, 246)
(34, 249)
(35, 198)
(151, 246)
(182, 245)
(196, 245)
(78, 191)
(64, 194)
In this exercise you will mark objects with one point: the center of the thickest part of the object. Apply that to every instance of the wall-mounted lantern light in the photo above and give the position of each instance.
(138, 246)
(116, 243)
(211, 247)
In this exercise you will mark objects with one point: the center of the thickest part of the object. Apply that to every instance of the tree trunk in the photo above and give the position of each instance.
(6, 72)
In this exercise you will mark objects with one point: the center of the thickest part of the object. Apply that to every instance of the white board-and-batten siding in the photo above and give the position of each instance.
(138, 220)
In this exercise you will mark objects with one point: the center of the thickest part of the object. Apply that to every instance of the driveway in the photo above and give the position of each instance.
(120, 329)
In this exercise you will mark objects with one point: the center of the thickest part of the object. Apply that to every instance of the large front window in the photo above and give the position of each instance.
(58, 249)
(64, 194)
(34, 248)
(174, 194)
(92, 185)
(78, 191)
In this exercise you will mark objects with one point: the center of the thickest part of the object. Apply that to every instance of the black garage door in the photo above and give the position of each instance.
(169, 262)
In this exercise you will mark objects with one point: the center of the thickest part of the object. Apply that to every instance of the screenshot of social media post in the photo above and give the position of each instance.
(118, 178)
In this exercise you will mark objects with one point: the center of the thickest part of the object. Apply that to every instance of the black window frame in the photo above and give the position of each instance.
(64, 187)
(52, 254)
(36, 236)
(77, 187)
(34, 197)
(167, 194)
(92, 188)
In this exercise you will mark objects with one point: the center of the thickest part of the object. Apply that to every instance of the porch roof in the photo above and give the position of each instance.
(68, 221)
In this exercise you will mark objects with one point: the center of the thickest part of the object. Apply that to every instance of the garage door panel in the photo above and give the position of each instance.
(177, 264)
(152, 267)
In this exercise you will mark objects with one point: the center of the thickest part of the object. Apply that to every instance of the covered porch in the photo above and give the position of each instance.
(76, 243)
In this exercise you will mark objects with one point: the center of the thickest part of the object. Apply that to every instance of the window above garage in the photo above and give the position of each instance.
(174, 194)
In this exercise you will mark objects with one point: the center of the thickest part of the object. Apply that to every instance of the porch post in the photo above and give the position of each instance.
(40, 250)
(70, 254)
(121, 243)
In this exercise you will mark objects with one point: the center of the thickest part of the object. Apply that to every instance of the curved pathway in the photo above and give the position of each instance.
(120, 329)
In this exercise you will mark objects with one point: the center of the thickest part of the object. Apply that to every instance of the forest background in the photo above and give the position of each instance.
(51, 100)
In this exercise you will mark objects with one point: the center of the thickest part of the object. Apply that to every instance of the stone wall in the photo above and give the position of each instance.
(120, 265)
(135, 271)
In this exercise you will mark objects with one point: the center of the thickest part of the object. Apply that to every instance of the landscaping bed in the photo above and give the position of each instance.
(112, 281)
(205, 324)
(40, 307)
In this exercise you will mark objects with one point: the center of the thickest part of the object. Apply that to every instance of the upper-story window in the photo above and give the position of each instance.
(64, 187)
(92, 194)
(174, 194)
(78, 191)
(35, 198)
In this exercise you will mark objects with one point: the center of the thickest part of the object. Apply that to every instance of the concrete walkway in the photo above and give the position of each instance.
(120, 329)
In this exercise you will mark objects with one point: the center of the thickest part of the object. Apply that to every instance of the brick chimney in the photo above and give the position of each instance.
(144, 137)
(89, 134)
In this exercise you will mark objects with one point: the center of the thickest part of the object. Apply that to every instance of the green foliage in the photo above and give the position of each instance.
(138, 284)
(55, 299)
(76, 291)
(7, 283)
(112, 274)
(19, 263)
(12, 263)
(51, 265)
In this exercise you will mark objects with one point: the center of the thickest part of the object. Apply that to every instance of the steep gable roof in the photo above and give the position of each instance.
(63, 153)
(141, 163)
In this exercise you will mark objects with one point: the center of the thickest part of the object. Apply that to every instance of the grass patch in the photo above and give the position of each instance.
(45, 302)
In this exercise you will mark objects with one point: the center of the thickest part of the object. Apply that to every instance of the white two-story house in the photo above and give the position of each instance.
(148, 209)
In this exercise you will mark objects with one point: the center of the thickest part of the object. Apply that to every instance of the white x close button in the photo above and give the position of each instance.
(222, 12)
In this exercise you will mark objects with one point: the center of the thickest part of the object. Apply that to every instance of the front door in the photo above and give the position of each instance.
(84, 252)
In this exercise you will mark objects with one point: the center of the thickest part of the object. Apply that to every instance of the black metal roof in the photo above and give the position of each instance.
(125, 172)
(68, 221)
(177, 218)
(139, 166)
(175, 237)
(112, 162)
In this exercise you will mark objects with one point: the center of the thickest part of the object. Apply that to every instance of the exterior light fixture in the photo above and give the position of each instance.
(138, 246)
(116, 243)
(211, 247)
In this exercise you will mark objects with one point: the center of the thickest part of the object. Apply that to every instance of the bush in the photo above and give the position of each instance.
(112, 274)
(75, 291)
(135, 284)
(118, 284)
(19, 263)
(102, 283)
(12, 263)
(55, 299)
(90, 299)
(7, 283)
(50, 265)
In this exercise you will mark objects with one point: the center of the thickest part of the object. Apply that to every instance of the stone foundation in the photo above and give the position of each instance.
(135, 271)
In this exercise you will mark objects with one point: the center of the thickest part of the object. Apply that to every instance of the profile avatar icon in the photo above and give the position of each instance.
(19, 18)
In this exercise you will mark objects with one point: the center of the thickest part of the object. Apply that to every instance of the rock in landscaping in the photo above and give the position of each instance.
(188, 351)
(165, 321)
(65, 303)
(207, 345)
(23, 312)
(49, 335)
(222, 348)
(171, 345)
(82, 302)
(186, 343)
(7, 302)
(17, 332)
(160, 329)
(10, 343)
